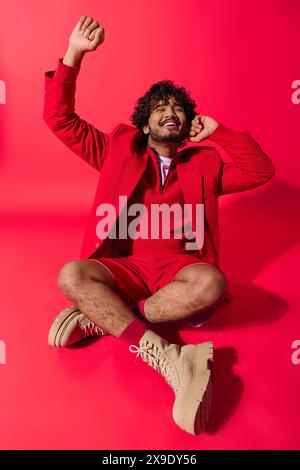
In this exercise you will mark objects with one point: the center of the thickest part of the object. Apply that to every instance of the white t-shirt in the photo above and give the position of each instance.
(165, 163)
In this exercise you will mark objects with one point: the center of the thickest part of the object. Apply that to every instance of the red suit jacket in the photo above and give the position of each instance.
(204, 176)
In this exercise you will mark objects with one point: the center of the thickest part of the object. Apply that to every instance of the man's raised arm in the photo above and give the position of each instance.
(59, 101)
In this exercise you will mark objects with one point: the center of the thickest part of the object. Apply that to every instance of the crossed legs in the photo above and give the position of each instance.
(194, 288)
(91, 287)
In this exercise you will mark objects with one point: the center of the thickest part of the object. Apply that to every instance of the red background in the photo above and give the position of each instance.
(238, 60)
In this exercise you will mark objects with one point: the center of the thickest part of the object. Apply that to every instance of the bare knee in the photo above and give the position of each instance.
(69, 275)
(75, 272)
(211, 285)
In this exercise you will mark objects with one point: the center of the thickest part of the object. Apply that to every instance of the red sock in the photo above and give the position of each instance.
(140, 306)
(133, 332)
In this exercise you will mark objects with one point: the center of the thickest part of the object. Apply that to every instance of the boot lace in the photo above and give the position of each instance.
(89, 328)
(160, 362)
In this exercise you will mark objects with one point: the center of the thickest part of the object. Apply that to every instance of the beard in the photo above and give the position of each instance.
(171, 136)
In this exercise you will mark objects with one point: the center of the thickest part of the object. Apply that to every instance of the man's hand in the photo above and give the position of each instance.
(201, 128)
(85, 37)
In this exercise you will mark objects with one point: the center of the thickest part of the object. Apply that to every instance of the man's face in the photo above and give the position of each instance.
(167, 122)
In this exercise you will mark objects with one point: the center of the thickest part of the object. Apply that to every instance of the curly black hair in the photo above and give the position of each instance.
(162, 91)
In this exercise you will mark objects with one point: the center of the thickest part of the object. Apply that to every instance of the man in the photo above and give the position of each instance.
(124, 283)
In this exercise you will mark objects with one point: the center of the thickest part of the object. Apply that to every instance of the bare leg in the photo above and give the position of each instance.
(91, 287)
(194, 289)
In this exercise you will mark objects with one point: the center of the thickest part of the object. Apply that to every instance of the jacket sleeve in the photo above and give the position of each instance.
(251, 167)
(88, 142)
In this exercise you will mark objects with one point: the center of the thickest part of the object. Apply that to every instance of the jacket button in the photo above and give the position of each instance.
(97, 244)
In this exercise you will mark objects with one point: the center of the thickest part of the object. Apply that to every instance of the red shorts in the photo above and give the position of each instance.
(139, 277)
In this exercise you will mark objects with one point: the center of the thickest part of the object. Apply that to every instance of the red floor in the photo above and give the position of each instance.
(97, 397)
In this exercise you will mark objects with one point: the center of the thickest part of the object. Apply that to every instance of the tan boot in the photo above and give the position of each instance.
(188, 370)
(70, 326)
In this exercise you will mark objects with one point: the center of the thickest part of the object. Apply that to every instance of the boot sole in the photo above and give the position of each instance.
(60, 325)
(199, 396)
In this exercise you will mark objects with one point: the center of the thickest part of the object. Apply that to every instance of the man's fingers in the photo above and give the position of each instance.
(97, 34)
(200, 119)
(80, 22)
(203, 134)
(86, 23)
(91, 28)
(196, 127)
